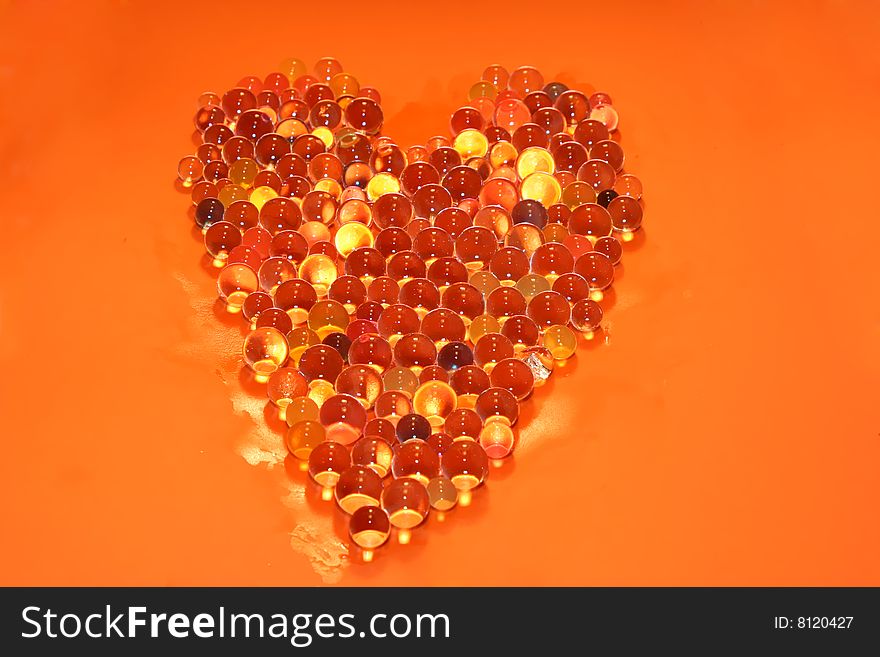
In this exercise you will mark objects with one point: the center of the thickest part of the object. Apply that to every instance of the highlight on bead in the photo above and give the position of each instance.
(400, 302)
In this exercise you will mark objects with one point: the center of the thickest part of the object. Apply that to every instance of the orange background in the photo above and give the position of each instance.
(726, 432)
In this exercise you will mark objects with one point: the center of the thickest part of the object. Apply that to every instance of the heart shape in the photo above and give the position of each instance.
(401, 305)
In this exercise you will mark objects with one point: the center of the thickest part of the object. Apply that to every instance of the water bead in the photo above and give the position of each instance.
(484, 281)
(443, 159)
(303, 437)
(610, 247)
(468, 382)
(397, 320)
(495, 218)
(521, 330)
(491, 348)
(509, 264)
(590, 219)
(418, 174)
(365, 263)
(445, 271)
(434, 400)
(358, 487)
(296, 297)
(596, 269)
(429, 200)
(349, 291)
(412, 426)
(626, 214)
(370, 311)
(208, 115)
(542, 187)
(574, 106)
(402, 379)
(465, 463)
(573, 287)
(504, 302)
(327, 461)
(216, 134)
(502, 153)
(415, 460)
(220, 238)
(340, 342)
(234, 283)
(432, 243)
(525, 80)
(274, 271)
(605, 197)
(570, 156)
(628, 185)
(254, 304)
(481, 326)
(549, 308)
(328, 316)
(319, 271)
(510, 114)
(497, 75)
(526, 136)
(529, 211)
(202, 190)
(415, 351)
(343, 417)
(549, 119)
(361, 382)
(393, 405)
(606, 115)
(284, 385)
(352, 236)
(533, 160)
(589, 132)
(466, 117)
(374, 453)
(189, 170)
(475, 246)
(551, 260)
(465, 181)
(300, 339)
(208, 211)
(454, 355)
(383, 290)
(497, 440)
(561, 341)
(470, 143)
(405, 265)
(275, 318)
(364, 114)
(531, 285)
(369, 528)
(463, 299)
(264, 351)
(499, 191)
(370, 349)
(320, 362)
(442, 325)
(406, 502)
(359, 327)
(514, 375)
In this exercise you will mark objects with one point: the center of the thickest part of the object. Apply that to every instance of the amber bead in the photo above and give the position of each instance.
(381, 428)
(361, 382)
(397, 320)
(358, 487)
(497, 440)
(416, 460)
(400, 378)
(208, 211)
(344, 418)
(301, 409)
(390, 241)
(327, 461)
(420, 294)
(442, 325)
(526, 237)
(529, 211)
(289, 244)
(392, 405)
(531, 285)
(578, 245)
(406, 502)
(412, 427)
(610, 247)
(275, 318)
(497, 404)
(374, 453)
(364, 114)
(434, 400)
(220, 238)
(443, 272)
(465, 463)
(626, 213)
(548, 308)
(415, 351)
(552, 260)
(302, 437)
(284, 384)
(504, 302)
(370, 311)
(605, 197)
(369, 528)
(275, 271)
(491, 348)
(254, 304)
(589, 132)
(234, 283)
(454, 355)
(572, 286)
(433, 373)
(509, 264)
(514, 375)
(628, 185)
(320, 271)
(463, 424)
(321, 362)
(384, 291)
(586, 315)
(464, 299)
(482, 325)
(590, 219)
(521, 330)
(370, 349)
(348, 291)
(405, 265)
(300, 339)
(475, 246)
(296, 297)
(596, 269)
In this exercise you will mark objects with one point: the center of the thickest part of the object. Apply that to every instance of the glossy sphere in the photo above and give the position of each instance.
(590, 219)
(497, 440)
(442, 325)
(596, 269)
(463, 423)
(491, 348)
(475, 246)
(482, 325)
(301, 409)
(416, 460)
(497, 404)
(465, 464)
(442, 493)
(397, 320)
(552, 260)
(189, 170)
(327, 461)
(393, 405)
(328, 316)
(374, 453)
(463, 299)
(296, 297)
(454, 355)
(586, 315)
(549, 308)
(220, 238)
(254, 304)
(361, 382)
(344, 418)
(610, 247)
(628, 185)
(264, 351)
(302, 437)
(370, 349)
(400, 378)
(286, 384)
(358, 487)
(561, 341)
(369, 527)
(321, 361)
(412, 427)
(505, 302)
(319, 271)
(532, 285)
(626, 213)
(434, 400)
(514, 375)
(509, 264)
(406, 502)
(572, 286)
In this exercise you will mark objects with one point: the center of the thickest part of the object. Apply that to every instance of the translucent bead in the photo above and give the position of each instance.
(628, 185)
(397, 320)
(572, 286)
(369, 529)
(434, 400)
(521, 330)
(499, 191)
(327, 461)
(366, 264)
(327, 317)
(463, 299)
(586, 315)
(433, 373)
(443, 272)
(348, 291)
(504, 302)
(491, 348)
(264, 351)
(381, 428)
(320, 362)
(300, 339)
(358, 487)
(234, 283)
(393, 405)
(340, 342)
(482, 325)
(605, 197)
(351, 236)
(529, 211)
(301, 409)
(551, 261)
(497, 440)
(370, 311)
(578, 193)
(406, 502)
(314, 232)
(526, 237)
(626, 214)
(596, 269)
(578, 245)
(430, 200)
(220, 238)
(405, 265)
(468, 382)
(254, 304)
(275, 271)
(463, 424)
(442, 493)
(302, 437)
(285, 384)
(415, 460)
(606, 115)
(442, 325)
(470, 143)
(570, 156)
(497, 404)
(534, 159)
(590, 219)
(289, 244)
(275, 318)
(439, 442)
(549, 308)
(319, 271)
(465, 463)
(415, 351)
(509, 264)
(412, 427)
(454, 355)
(542, 187)
(364, 114)
(361, 382)
(561, 341)
(296, 297)
(208, 211)
(373, 453)
(420, 294)
(381, 184)
(513, 375)
(497, 75)
(598, 174)
(359, 327)
(402, 379)
(531, 285)
(610, 247)
(189, 170)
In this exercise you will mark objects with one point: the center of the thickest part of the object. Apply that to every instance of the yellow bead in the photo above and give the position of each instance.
(325, 135)
(260, 195)
(534, 159)
(471, 143)
(327, 317)
(381, 184)
(320, 271)
(434, 400)
(561, 341)
(351, 236)
(542, 187)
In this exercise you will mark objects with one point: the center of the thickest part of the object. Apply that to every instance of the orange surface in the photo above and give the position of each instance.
(726, 433)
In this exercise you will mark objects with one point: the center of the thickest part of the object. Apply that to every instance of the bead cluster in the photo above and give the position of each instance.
(401, 304)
